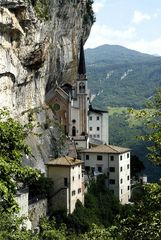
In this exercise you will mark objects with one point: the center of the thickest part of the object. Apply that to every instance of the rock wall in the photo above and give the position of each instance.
(34, 55)
(36, 211)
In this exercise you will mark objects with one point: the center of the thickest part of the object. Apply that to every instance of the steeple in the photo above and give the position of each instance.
(82, 65)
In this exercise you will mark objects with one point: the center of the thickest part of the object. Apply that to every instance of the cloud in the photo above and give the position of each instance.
(98, 5)
(146, 46)
(139, 17)
(103, 34)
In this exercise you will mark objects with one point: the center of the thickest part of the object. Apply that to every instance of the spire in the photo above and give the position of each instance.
(82, 65)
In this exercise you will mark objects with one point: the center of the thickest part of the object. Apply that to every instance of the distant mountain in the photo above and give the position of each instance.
(122, 77)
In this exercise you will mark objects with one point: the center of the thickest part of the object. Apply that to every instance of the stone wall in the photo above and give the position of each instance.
(36, 211)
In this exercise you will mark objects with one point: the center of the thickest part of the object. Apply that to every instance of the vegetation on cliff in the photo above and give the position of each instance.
(42, 8)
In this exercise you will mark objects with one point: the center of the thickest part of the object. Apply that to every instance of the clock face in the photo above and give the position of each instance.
(56, 107)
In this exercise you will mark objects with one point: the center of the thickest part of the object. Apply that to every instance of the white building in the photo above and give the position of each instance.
(70, 105)
(98, 126)
(114, 162)
(66, 173)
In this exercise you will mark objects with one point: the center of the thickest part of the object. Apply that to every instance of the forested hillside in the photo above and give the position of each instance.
(122, 77)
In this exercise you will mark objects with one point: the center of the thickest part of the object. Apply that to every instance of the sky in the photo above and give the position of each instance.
(135, 24)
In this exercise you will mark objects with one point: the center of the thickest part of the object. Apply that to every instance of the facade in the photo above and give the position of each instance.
(98, 126)
(70, 105)
(114, 162)
(75, 114)
(68, 187)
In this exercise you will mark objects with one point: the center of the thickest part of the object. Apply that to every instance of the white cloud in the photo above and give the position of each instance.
(146, 46)
(139, 17)
(103, 34)
(98, 5)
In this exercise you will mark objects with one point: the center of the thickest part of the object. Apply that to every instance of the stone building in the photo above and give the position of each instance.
(68, 187)
(114, 162)
(74, 112)
(70, 105)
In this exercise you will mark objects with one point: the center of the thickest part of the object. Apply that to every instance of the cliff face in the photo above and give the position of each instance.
(34, 54)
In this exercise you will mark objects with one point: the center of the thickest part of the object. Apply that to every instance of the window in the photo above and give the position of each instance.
(81, 87)
(128, 166)
(128, 187)
(73, 131)
(121, 157)
(90, 118)
(98, 118)
(79, 190)
(98, 136)
(98, 128)
(90, 135)
(90, 128)
(73, 192)
(128, 177)
(73, 178)
(112, 169)
(78, 176)
(121, 191)
(112, 181)
(99, 169)
(120, 169)
(87, 169)
(112, 158)
(99, 157)
(121, 180)
(65, 182)
(128, 155)
(87, 157)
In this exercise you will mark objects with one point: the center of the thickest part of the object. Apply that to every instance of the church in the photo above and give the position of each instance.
(73, 110)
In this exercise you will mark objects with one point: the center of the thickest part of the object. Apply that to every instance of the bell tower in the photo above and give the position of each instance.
(82, 93)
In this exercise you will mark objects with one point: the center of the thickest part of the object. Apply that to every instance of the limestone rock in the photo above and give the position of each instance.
(34, 55)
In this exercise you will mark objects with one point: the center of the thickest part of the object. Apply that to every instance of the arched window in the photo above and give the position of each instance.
(73, 131)
(81, 87)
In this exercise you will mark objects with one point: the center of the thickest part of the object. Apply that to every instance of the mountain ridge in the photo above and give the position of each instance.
(119, 76)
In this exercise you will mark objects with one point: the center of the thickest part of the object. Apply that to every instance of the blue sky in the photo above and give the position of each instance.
(135, 24)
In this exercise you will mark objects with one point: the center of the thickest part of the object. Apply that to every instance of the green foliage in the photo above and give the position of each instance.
(100, 208)
(12, 148)
(137, 166)
(41, 187)
(144, 222)
(125, 129)
(152, 121)
(48, 230)
(10, 228)
(106, 66)
(90, 12)
(98, 233)
(42, 8)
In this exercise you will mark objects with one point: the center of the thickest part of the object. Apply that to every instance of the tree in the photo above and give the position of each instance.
(152, 120)
(144, 220)
(12, 149)
(98, 233)
(136, 165)
(48, 230)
